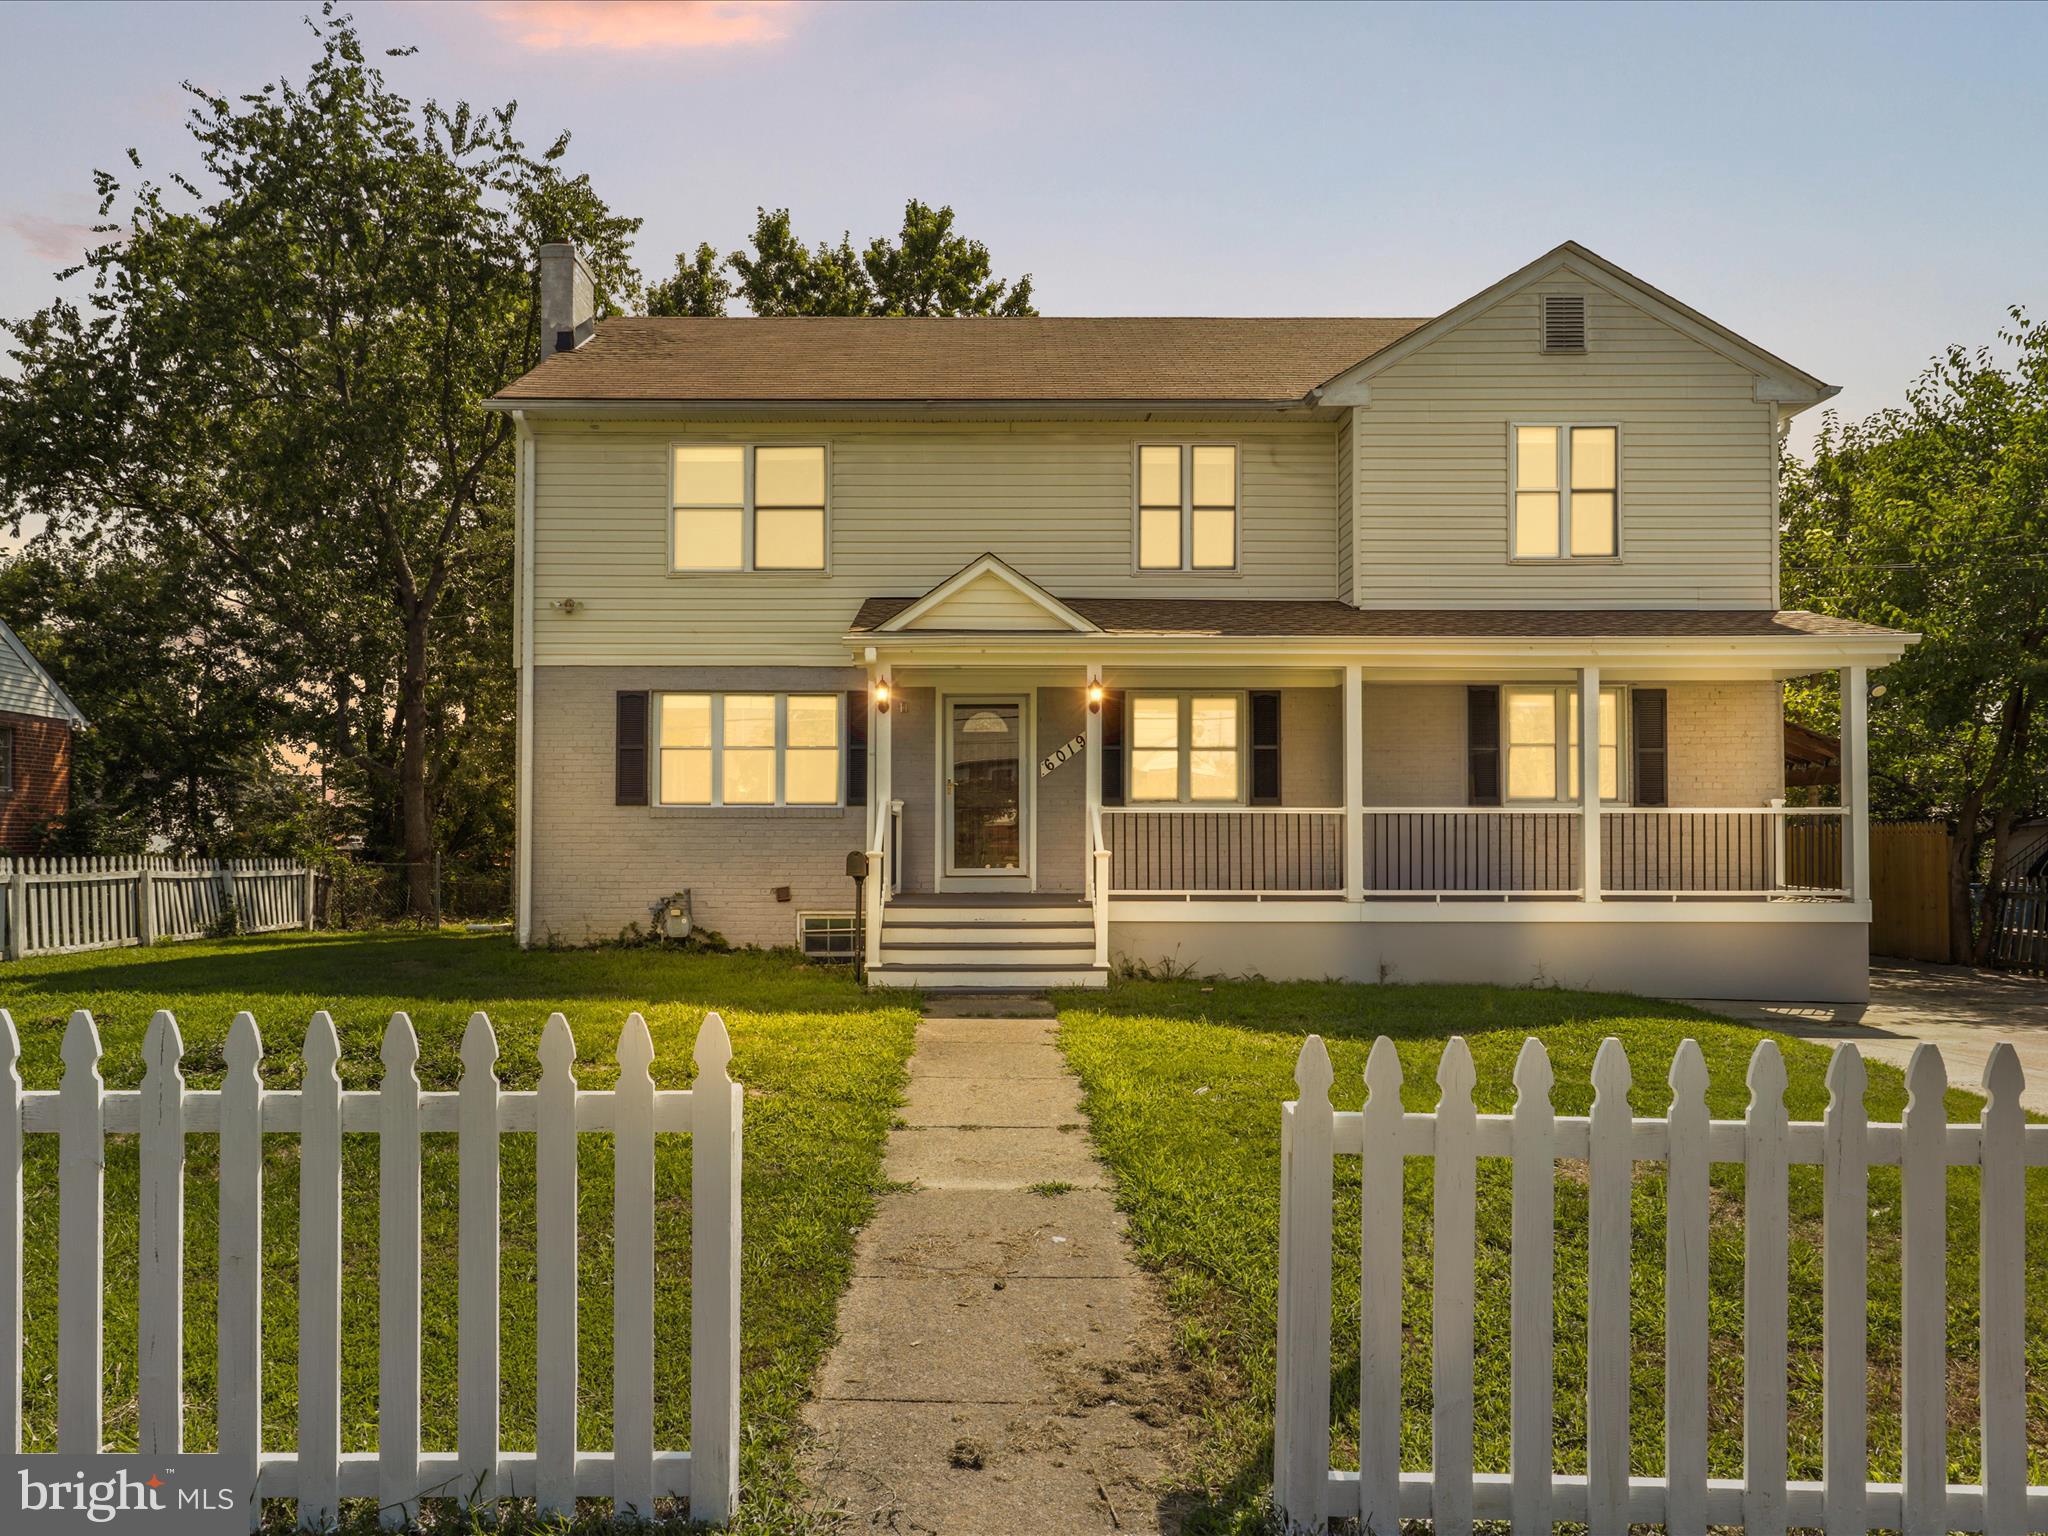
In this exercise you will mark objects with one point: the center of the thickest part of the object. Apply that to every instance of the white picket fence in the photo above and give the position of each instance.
(1684, 1501)
(633, 1474)
(63, 905)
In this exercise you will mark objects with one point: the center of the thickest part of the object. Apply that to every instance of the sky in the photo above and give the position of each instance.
(1852, 187)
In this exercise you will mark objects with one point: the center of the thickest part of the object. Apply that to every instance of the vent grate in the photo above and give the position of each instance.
(1564, 322)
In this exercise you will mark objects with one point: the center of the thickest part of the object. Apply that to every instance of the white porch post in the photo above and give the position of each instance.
(1855, 683)
(1589, 783)
(880, 783)
(1098, 857)
(1354, 784)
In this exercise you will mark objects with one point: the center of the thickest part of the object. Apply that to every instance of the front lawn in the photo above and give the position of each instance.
(820, 1060)
(1183, 1086)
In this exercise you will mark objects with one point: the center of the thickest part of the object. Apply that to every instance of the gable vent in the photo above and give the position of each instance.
(1564, 322)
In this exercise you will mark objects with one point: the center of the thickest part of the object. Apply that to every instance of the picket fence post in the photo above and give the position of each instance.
(477, 1328)
(1302, 1409)
(1923, 1351)
(240, 1297)
(633, 1273)
(160, 1316)
(715, 1136)
(1845, 1282)
(320, 1276)
(1379, 1295)
(2002, 1293)
(1610, 1182)
(1685, 1296)
(1531, 1301)
(1451, 1285)
(1766, 1276)
(80, 1255)
(398, 1276)
(555, 1178)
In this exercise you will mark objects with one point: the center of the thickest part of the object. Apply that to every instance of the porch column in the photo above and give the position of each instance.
(1589, 783)
(880, 773)
(1097, 856)
(1354, 784)
(1855, 683)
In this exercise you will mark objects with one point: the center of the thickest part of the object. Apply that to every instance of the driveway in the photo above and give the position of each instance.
(1964, 1011)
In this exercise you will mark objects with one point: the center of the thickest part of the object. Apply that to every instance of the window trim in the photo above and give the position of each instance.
(1187, 567)
(748, 446)
(1624, 788)
(1184, 751)
(1564, 556)
(717, 802)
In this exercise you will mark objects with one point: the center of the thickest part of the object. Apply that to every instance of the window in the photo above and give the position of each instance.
(1542, 736)
(828, 935)
(1566, 493)
(1186, 748)
(749, 748)
(1187, 507)
(744, 508)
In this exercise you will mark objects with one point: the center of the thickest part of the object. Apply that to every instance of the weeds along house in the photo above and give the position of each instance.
(1440, 649)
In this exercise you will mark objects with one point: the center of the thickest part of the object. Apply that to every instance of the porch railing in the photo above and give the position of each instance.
(1762, 851)
(1239, 850)
(1471, 851)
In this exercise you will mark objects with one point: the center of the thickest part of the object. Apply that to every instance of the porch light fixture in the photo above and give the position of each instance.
(881, 698)
(1095, 698)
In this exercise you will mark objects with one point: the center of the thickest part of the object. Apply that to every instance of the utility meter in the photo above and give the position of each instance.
(672, 916)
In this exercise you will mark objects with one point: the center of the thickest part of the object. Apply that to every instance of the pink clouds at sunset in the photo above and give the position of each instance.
(627, 25)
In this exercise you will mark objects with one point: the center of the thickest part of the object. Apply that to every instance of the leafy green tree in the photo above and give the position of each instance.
(278, 385)
(1933, 517)
(927, 269)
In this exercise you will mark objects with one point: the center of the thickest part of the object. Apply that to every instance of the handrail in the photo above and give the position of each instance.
(1098, 883)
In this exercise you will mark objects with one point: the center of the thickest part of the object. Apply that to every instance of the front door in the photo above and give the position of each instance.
(987, 844)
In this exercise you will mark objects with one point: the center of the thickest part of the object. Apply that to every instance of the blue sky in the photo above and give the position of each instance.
(1852, 187)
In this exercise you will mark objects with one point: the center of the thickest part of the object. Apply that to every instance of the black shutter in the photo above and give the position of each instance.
(857, 746)
(1647, 729)
(1266, 747)
(1112, 748)
(1482, 746)
(629, 750)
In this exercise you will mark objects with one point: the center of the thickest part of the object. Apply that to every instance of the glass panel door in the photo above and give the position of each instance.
(984, 786)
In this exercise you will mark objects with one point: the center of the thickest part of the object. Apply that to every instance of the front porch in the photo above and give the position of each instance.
(1314, 805)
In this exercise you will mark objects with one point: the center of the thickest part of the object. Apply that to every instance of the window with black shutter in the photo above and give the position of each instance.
(1482, 746)
(1648, 719)
(1266, 747)
(857, 746)
(1113, 748)
(629, 750)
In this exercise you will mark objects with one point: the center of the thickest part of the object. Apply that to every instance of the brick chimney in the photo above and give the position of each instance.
(568, 299)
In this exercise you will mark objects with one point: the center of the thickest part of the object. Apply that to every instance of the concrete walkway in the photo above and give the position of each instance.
(1002, 1365)
(1962, 1010)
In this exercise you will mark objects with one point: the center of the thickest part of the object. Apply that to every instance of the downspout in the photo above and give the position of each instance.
(522, 630)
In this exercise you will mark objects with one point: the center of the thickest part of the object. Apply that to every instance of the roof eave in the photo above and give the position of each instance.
(586, 407)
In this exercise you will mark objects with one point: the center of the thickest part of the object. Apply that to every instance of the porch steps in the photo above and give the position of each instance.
(987, 944)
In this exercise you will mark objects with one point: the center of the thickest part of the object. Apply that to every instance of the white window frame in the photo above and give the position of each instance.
(717, 800)
(852, 931)
(1187, 567)
(1564, 555)
(1185, 736)
(1567, 714)
(747, 565)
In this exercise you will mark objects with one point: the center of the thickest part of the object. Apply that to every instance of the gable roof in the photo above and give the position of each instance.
(849, 360)
(1777, 380)
(26, 688)
(961, 602)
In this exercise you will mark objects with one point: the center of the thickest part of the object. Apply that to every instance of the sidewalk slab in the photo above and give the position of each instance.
(1045, 1102)
(1032, 1031)
(1004, 1158)
(991, 1233)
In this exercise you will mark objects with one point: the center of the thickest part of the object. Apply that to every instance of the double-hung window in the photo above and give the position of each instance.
(750, 748)
(742, 507)
(1186, 748)
(1187, 507)
(1542, 736)
(1566, 496)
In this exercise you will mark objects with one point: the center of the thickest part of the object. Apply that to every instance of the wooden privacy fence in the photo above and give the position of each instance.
(1909, 910)
(59, 906)
(1684, 1501)
(81, 1113)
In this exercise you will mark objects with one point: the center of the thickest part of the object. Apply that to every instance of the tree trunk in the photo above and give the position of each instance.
(2002, 820)
(415, 814)
(1963, 845)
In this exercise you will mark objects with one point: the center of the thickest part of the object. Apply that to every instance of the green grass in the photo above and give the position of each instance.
(820, 1060)
(1183, 1085)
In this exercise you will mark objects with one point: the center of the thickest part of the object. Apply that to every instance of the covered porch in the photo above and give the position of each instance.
(1240, 802)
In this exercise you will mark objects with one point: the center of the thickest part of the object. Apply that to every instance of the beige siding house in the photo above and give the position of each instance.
(1400, 649)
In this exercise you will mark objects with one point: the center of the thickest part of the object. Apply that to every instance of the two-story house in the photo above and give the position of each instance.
(1407, 649)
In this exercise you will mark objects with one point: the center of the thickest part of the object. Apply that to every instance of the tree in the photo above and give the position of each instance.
(278, 387)
(1933, 517)
(926, 270)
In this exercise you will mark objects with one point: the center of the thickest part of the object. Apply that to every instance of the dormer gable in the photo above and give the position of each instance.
(988, 593)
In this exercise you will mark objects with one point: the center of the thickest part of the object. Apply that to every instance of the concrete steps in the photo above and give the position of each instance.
(987, 944)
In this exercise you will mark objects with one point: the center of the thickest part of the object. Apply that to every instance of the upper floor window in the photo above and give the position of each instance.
(1186, 747)
(749, 748)
(1542, 737)
(1565, 493)
(1187, 507)
(739, 507)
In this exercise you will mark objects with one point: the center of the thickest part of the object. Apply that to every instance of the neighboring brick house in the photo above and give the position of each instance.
(37, 720)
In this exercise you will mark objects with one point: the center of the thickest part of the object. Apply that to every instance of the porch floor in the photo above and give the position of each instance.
(989, 899)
